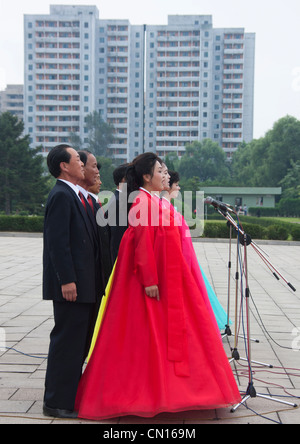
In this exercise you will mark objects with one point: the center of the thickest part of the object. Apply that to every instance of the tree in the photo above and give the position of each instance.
(291, 182)
(172, 161)
(205, 160)
(101, 134)
(266, 161)
(23, 187)
(75, 141)
(106, 174)
(283, 148)
(248, 166)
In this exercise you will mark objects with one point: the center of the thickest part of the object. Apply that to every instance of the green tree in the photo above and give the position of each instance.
(266, 161)
(75, 141)
(23, 187)
(100, 134)
(291, 182)
(248, 166)
(205, 160)
(172, 161)
(106, 174)
(283, 148)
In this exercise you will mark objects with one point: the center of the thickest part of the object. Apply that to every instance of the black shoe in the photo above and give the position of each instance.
(59, 413)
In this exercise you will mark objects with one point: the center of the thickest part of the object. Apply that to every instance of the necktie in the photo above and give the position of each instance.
(82, 200)
(90, 201)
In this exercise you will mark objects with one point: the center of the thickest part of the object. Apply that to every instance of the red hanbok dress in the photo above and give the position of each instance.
(154, 356)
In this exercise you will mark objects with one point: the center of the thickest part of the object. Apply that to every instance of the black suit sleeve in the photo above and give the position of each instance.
(57, 233)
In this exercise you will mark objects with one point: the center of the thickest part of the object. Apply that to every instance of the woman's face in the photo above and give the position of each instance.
(154, 183)
(166, 177)
(174, 190)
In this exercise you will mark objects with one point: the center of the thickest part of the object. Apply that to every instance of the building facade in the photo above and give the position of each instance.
(12, 100)
(76, 64)
(200, 84)
(59, 73)
(161, 87)
(251, 197)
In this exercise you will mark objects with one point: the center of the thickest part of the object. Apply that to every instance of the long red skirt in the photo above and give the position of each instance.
(155, 356)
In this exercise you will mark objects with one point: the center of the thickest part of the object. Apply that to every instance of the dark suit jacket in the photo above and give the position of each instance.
(71, 250)
(104, 239)
(117, 231)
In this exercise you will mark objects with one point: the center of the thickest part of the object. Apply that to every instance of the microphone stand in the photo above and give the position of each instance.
(227, 331)
(235, 353)
(246, 240)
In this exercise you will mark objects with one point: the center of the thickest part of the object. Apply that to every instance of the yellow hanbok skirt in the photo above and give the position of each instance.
(101, 313)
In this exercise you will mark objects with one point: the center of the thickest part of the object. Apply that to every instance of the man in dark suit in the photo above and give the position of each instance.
(117, 211)
(91, 178)
(71, 279)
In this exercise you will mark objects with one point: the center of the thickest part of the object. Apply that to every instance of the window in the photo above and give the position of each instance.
(238, 201)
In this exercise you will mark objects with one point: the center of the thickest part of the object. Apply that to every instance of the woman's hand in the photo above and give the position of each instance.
(152, 292)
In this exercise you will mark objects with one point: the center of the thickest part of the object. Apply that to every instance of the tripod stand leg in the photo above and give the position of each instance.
(270, 398)
(258, 363)
(245, 399)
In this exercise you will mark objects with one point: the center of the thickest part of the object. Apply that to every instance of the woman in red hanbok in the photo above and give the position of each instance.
(157, 349)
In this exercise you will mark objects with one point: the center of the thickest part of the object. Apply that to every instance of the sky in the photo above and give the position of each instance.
(275, 23)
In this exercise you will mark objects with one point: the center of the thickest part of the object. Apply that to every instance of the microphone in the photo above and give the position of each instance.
(218, 205)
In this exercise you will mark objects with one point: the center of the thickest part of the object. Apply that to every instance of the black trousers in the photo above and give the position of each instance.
(70, 341)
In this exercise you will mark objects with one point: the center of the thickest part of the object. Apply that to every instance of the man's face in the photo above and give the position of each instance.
(75, 166)
(91, 171)
(96, 187)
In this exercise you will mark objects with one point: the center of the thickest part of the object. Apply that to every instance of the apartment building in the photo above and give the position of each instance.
(120, 84)
(12, 100)
(200, 84)
(59, 73)
(160, 86)
(76, 64)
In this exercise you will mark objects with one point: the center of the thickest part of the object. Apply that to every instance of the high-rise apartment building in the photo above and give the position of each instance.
(160, 86)
(60, 73)
(76, 64)
(120, 84)
(200, 84)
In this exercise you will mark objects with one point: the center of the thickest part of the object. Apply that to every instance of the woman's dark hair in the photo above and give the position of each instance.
(57, 155)
(174, 177)
(141, 165)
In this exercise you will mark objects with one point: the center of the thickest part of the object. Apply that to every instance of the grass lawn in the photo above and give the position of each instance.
(293, 220)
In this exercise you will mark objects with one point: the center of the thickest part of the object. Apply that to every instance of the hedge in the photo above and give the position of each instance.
(276, 231)
(295, 232)
(285, 208)
(28, 224)
(261, 229)
(221, 230)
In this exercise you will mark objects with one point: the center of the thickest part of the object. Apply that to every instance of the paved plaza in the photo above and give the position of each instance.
(26, 322)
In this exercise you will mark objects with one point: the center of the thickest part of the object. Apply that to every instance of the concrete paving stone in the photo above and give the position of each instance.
(28, 321)
(22, 320)
(20, 420)
(17, 368)
(15, 406)
(7, 393)
(19, 359)
(27, 395)
(34, 347)
(20, 381)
